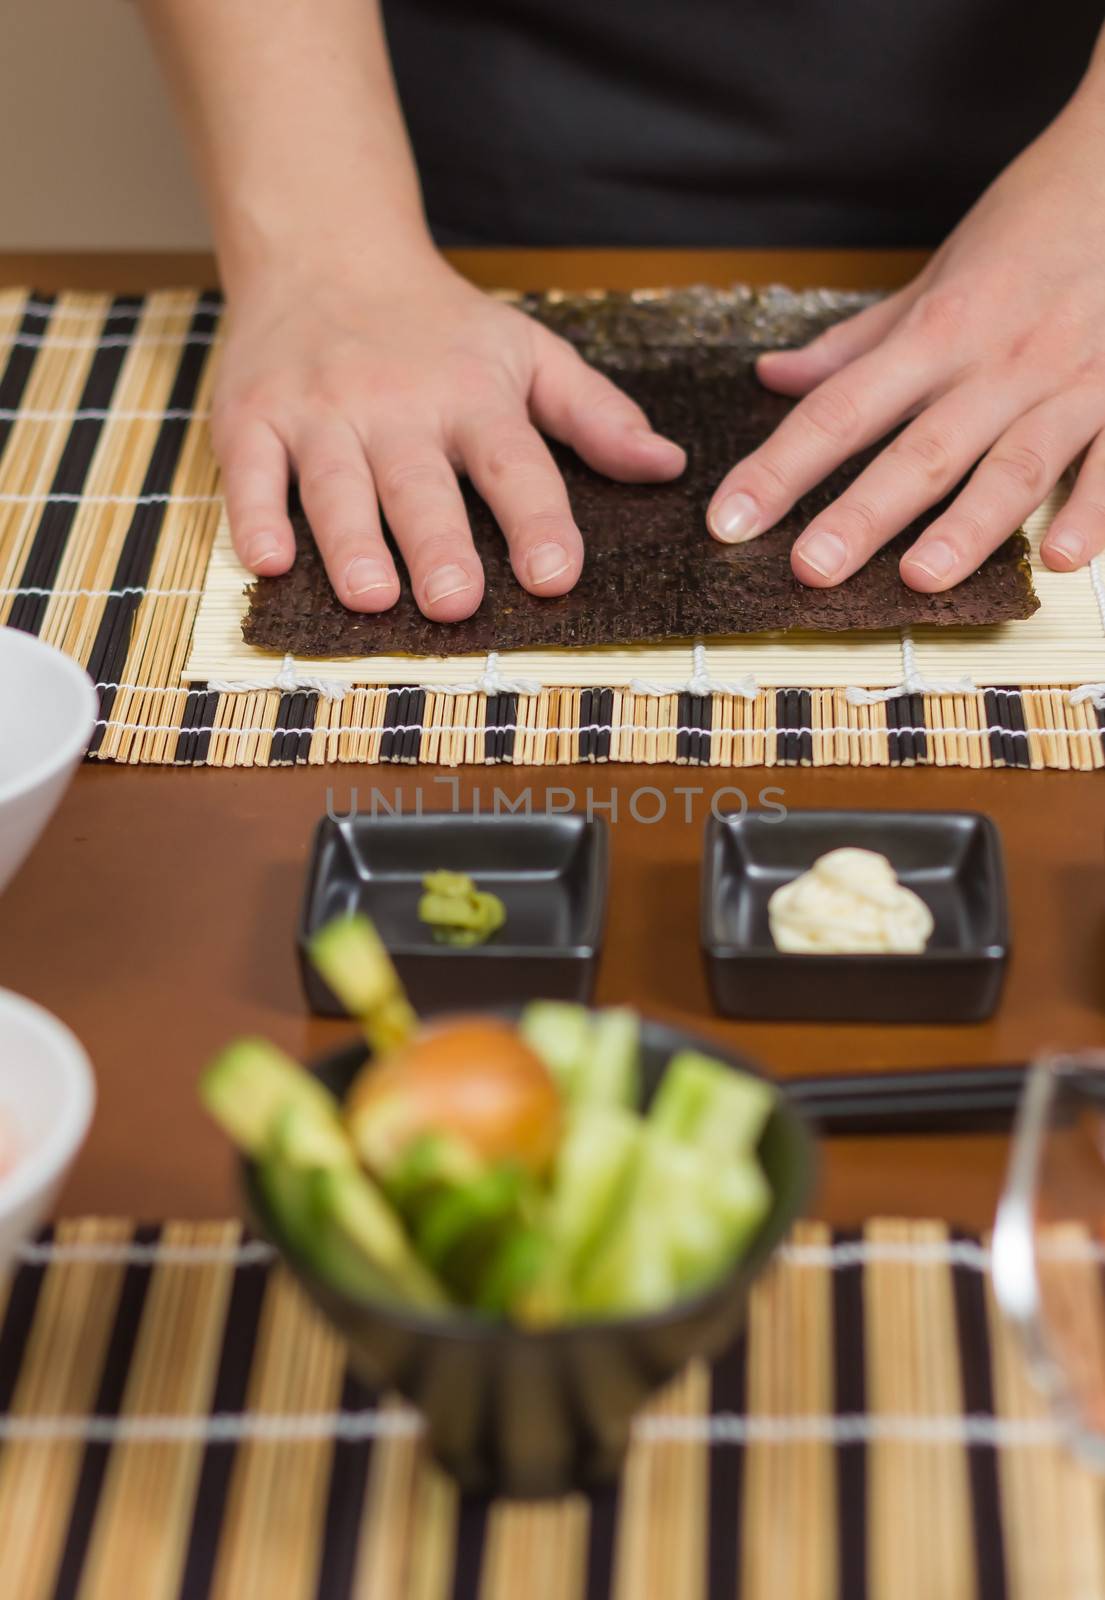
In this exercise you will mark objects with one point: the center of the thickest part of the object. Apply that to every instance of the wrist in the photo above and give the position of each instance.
(305, 246)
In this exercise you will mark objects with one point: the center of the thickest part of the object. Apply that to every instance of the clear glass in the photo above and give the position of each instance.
(1049, 1242)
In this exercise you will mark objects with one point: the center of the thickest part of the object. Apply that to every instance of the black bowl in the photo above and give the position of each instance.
(952, 859)
(549, 871)
(520, 1413)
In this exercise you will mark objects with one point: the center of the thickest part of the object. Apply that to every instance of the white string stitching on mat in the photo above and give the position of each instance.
(105, 594)
(912, 681)
(111, 499)
(966, 1253)
(109, 341)
(723, 1428)
(289, 680)
(700, 681)
(188, 308)
(133, 1253)
(291, 677)
(490, 681)
(221, 1428)
(1093, 692)
(97, 414)
(727, 1427)
(961, 731)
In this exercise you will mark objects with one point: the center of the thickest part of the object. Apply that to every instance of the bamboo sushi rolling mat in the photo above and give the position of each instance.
(110, 518)
(175, 1423)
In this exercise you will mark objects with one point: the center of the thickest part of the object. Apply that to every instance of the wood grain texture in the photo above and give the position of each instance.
(137, 271)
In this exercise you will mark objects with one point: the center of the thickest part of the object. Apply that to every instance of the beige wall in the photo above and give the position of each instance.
(90, 158)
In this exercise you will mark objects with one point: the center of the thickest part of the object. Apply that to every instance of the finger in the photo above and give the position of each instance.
(1078, 532)
(424, 507)
(510, 465)
(919, 467)
(839, 417)
(255, 486)
(608, 430)
(798, 371)
(339, 499)
(1006, 487)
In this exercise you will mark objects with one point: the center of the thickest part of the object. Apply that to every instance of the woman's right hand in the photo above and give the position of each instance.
(376, 397)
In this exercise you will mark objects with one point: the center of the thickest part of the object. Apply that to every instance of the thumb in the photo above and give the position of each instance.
(796, 372)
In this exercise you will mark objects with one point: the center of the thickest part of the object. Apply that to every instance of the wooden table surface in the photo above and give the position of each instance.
(156, 915)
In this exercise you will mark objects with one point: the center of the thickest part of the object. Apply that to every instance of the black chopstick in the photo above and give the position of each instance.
(927, 1100)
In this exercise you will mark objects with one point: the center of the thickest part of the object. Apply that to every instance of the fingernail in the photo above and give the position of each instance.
(935, 559)
(1068, 544)
(262, 548)
(363, 575)
(824, 552)
(548, 561)
(446, 581)
(734, 519)
(657, 442)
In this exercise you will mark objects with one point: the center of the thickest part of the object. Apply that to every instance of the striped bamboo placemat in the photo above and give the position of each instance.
(175, 1424)
(109, 509)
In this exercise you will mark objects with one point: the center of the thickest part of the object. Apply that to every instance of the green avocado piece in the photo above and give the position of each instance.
(358, 1243)
(352, 959)
(515, 1266)
(300, 1142)
(461, 1229)
(251, 1082)
(430, 1163)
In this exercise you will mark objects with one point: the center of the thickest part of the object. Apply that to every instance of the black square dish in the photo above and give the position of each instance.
(952, 859)
(549, 871)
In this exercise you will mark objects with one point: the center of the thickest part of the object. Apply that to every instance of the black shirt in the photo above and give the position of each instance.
(724, 122)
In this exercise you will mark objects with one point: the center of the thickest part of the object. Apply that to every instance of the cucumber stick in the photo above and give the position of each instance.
(708, 1105)
(558, 1032)
(594, 1056)
(701, 1213)
(681, 1224)
(627, 1272)
(590, 1182)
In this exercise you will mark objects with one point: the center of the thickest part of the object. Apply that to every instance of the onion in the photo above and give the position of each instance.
(474, 1078)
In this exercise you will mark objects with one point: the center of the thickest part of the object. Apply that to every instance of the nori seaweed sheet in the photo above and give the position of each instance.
(651, 571)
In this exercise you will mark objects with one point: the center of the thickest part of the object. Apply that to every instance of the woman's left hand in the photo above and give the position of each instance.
(997, 354)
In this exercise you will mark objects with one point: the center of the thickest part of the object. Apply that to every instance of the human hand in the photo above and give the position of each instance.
(994, 357)
(376, 397)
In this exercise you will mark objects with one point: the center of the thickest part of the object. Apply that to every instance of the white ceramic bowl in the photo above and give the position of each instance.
(47, 1094)
(48, 709)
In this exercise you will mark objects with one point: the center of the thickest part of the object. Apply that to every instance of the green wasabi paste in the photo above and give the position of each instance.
(458, 912)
